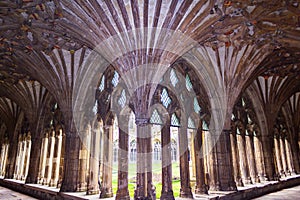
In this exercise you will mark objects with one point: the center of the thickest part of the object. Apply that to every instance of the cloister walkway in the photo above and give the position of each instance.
(287, 188)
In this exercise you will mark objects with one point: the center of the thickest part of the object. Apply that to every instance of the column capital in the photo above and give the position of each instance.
(142, 121)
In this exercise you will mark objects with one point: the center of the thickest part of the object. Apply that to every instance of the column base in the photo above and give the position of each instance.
(230, 187)
(167, 196)
(270, 178)
(293, 173)
(92, 192)
(186, 193)
(239, 182)
(82, 188)
(122, 195)
(139, 195)
(151, 191)
(45, 182)
(263, 178)
(40, 181)
(92, 189)
(248, 180)
(31, 180)
(106, 193)
(201, 189)
(53, 183)
(256, 179)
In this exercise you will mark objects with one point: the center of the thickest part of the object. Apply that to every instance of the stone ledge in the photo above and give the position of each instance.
(253, 191)
(247, 192)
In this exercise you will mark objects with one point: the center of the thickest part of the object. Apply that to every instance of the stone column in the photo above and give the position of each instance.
(83, 158)
(283, 154)
(151, 193)
(35, 158)
(243, 157)
(289, 158)
(123, 192)
(101, 154)
(62, 159)
(213, 175)
(55, 176)
(12, 155)
(277, 154)
(106, 189)
(235, 159)
(267, 143)
(295, 153)
(39, 177)
(222, 161)
(44, 158)
(185, 190)
(71, 154)
(93, 187)
(4, 159)
(50, 158)
(167, 192)
(144, 187)
(18, 158)
(192, 153)
(23, 155)
(200, 187)
(28, 149)
(251, 158)
(259, 157)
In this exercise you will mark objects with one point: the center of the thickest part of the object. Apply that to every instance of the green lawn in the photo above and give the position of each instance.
(156, 173)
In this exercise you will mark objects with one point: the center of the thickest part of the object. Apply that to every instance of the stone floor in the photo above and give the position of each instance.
(8, 194)
(285, 194)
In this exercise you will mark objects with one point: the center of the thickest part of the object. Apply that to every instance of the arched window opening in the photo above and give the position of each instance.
(102, 84)
(122, 99)
(191, 123)
(205, 125)
(95, 108)
(197, 107)
(188, 83)
(174, 120)
(173, 77)
(155, 118)
(165, 99)
(157, 151)
(174, 150)
(115, 79)
(115, 150)
(132, 151)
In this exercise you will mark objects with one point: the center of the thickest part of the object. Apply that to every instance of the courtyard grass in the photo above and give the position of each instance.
(156, 174)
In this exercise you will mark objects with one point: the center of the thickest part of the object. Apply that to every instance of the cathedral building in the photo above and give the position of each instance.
(153, 99)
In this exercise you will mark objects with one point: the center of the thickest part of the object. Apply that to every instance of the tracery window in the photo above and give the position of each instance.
(115, 79)
(174, 120)
(115, 151)
(102, 84)
(122, 99)
(174, 150)
(165, 99)
(188, 83)
(133, 151)
(155, 118)
(197, 107)
(157, 151)
(173, 77)
(191, 123)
